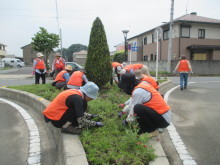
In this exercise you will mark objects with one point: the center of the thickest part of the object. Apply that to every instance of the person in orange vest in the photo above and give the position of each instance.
(142, 77)
(62, 78)
(116, 68)
(77, 79)
(146, 105)
(58, 64)
(39, 69)
(68, 110)
(133, 67)
(184, 68)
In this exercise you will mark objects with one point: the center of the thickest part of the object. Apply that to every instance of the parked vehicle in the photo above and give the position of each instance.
(74, 65)
(13, 62)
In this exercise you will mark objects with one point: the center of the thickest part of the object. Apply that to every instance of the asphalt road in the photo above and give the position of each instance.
(13, 140)
(19, 76)
(195, 114)
(14, 133)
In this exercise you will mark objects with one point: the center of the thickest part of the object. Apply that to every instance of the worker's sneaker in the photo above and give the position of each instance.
(71, 130)
(160, 130)
(153, 134)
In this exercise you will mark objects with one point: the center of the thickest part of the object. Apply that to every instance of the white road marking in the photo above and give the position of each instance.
(177, 141)
(34, 155)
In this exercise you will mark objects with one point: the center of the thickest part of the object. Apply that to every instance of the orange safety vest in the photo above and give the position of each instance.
(59, 78)
(150, 80)
(76, 79)
(115, 64)
(183, 66)
(156, 102)
(60, 64)
(40, 64)
(57, 107)
(133, 66)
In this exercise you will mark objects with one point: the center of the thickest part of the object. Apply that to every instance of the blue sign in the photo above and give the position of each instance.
(134, 48)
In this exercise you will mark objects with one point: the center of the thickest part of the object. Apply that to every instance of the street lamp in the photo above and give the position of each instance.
(125, 32)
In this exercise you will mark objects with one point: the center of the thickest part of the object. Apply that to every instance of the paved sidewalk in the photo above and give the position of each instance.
(11, 76)
(8, 71)
(4, 75)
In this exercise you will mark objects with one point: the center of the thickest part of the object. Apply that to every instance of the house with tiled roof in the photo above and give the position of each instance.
(196, 37)
(3, 53)
(80, 57)
(28, 54)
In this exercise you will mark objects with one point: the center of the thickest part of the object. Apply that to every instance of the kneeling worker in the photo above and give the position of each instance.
(146, 104)
(70, 106)
(62, 78)
(77, 79)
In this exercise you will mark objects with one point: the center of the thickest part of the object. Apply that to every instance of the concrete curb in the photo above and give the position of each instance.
(161, 156)
(70, 147)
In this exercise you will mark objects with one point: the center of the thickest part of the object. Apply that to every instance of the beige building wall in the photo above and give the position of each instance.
(28, 54)
(80, 57)
(211, 32)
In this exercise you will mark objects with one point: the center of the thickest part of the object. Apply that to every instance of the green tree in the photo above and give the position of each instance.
(45, 42)
(98, 63)
(119, 57)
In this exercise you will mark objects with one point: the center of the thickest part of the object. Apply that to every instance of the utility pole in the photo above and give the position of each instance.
(170, 48)
(59, 30)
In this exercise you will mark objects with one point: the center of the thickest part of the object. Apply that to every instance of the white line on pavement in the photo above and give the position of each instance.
(34, 156)
(177, 141)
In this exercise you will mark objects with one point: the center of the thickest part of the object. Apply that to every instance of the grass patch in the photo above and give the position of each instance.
(112, 143)
(44, 90)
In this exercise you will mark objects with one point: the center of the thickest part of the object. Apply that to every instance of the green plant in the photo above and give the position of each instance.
(112, 144)
(119, 57)
(98, 63)
(46, 91)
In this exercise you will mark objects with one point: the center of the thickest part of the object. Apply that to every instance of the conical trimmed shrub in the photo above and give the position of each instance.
(98, 63)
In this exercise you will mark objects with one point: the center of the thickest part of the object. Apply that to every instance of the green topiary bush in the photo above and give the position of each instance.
(98, 63)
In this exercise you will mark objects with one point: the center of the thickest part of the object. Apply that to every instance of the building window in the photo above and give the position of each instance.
(151, 57)
(152, 38)
(145, 58)
(185, 31)
(201, 33)
(145, 40)
(166, 35)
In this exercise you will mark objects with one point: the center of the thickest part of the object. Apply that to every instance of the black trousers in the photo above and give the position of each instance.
(61, 85)
(148, 119)
(69, 115)
(38, 76)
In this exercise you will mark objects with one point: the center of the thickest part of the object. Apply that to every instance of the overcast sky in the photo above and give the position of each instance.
(21, 19)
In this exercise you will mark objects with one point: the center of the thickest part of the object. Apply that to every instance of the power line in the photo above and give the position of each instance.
(186, 6)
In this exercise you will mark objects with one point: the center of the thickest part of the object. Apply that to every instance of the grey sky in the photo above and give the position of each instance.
(21, 19)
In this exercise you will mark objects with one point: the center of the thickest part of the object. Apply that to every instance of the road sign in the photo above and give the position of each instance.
(134, 48)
